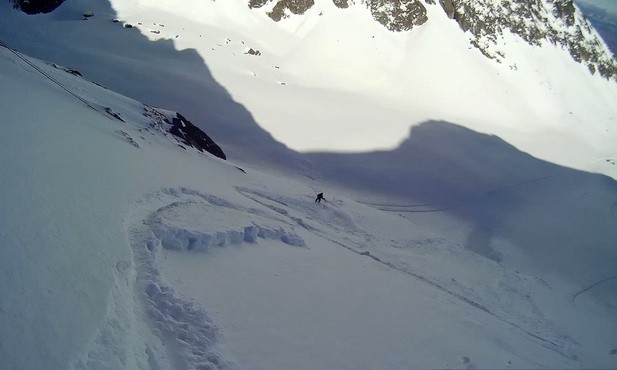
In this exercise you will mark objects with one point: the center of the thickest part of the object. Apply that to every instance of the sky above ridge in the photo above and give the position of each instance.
(608, 5)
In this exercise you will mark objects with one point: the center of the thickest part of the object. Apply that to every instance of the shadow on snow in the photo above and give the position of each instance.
(559, 216)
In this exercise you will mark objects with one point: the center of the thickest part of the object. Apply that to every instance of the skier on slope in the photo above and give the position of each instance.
(319, 198)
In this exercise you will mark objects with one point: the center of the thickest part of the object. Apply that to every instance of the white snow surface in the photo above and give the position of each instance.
(336, 80)
(330, 80)
(121, 250)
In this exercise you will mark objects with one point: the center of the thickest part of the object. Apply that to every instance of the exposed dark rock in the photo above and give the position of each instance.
(191, 135)
(294, 6)
(604, 22)
(257, 3)
(116, 115)
(36, 6)
(564, 9)
(398, 15)
(448, 7)
(74, 72)
(281, 6)
(251, 51)
(536, 22)
(183, 131)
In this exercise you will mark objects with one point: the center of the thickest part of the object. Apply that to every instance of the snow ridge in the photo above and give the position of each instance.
(186, 335)
(182, 219)
(196, 237)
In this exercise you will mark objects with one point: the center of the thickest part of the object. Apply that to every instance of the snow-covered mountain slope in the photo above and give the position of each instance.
(331, 79)
(365, 85)
(535, 22)
(603, 20)
(508, 201)
(123, 249)
(155, 73)
(126, 246)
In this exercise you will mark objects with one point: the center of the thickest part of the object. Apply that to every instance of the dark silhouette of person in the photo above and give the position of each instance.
(319, 198)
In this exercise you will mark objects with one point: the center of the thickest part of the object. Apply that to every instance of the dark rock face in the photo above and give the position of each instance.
(536, 22)
(294, 6)
(279, 11)
(191, 135)
(182, 130)
(257, 3)
(341, 3)
(74, 72)
(604, 22)
(396, 15)
(36, 6)
(254, 52)
(565, 10)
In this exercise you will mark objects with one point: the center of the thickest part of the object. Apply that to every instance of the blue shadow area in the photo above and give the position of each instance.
(562, 218)
(153, 72)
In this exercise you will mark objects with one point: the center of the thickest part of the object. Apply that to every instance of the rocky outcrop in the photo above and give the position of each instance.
(191, 135)
(535, 21)
(294, 6)
(182, 130)
(565, 10)
(396, 15)
(282, 8)
(36, 6)
(341, 3)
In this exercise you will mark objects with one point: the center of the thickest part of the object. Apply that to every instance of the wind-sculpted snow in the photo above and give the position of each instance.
(185, 220)
(502, 293)
(205, 221)
(187, 337)
(225, 267)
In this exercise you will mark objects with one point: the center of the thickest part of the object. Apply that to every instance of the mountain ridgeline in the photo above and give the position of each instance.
(537, 22)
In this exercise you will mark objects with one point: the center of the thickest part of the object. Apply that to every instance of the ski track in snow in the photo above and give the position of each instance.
(590, 287)
(533, 328)
(442, 207)
(186, 331)
(182, 220)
